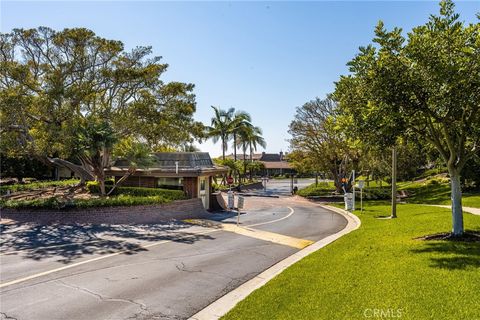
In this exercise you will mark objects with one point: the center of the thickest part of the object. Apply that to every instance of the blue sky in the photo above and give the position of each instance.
(262, 57)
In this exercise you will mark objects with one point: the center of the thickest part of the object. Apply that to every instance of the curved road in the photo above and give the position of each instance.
(167, 271)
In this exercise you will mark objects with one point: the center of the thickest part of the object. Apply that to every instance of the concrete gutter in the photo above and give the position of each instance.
(220, 307)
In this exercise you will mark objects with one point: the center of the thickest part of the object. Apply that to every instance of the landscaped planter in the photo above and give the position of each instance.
(180, 209)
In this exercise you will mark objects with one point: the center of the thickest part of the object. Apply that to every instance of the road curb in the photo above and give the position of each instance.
(220, 307)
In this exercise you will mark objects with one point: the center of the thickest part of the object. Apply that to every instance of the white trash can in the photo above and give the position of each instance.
(348, 198)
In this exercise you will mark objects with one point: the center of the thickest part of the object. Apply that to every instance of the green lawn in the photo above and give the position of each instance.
(431, 191)
(379, 266)
(434, 192)
(323, 188)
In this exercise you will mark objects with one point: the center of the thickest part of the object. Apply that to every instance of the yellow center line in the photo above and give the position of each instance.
(268, 236)
(256, 233)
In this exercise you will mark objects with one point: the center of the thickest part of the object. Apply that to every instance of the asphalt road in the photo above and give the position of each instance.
(163, 271)
(283, 186)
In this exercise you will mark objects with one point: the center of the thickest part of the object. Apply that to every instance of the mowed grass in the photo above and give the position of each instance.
(380, 266)
(434, 192)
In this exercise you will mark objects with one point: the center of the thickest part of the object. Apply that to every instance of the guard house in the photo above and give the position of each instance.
(191, 172)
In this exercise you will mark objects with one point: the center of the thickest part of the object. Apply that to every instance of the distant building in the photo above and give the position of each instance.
(191, 172)
(275, 163)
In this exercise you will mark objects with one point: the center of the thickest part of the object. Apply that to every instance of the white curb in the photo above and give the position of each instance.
(220, 307)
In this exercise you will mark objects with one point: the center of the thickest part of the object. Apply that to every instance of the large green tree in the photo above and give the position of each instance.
(318, 135)
(426, 84)
(58, 87)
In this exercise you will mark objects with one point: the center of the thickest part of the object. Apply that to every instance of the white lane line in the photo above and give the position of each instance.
(125, 251)
(41, 274)
(272, 221)
(4, 253)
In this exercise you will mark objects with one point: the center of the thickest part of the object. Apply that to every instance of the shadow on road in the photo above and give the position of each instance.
(69, 242)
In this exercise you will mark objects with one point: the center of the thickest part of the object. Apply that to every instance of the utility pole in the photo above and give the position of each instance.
(394, 182)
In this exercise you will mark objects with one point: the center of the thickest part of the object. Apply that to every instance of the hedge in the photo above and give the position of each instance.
(168, 194)
(57, 203)
(37, 185)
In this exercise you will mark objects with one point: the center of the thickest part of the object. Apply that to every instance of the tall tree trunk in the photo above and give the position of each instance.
(394, 182)
(457, 212)
(251, 150)
(336, 180)
(223, 148)
(244, 162)
(102, 187)
(251, 160)
(224, 180)
(234, 146)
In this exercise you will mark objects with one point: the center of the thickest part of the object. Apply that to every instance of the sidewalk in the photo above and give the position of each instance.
(475, 211)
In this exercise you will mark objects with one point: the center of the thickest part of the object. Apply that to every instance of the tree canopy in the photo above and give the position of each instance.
(426, 84)
(72, 94)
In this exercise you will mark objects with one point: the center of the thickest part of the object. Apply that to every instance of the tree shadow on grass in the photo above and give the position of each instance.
(72, 241)
(452, 255)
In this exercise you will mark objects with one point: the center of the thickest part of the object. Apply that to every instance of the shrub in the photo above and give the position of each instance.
(168, 194)
(323, 188)
(221, 187)
(376, 193)
(37, 185)
(56, 203)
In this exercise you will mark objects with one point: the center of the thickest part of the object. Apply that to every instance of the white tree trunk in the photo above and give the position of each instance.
(457, 213)
(394, 182)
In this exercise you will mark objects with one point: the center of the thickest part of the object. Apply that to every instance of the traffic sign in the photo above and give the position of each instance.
(229, 180)
(361, 184)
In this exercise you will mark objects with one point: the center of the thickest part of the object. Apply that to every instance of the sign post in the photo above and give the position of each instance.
(231, 200)
(240, 204)
(264, 181)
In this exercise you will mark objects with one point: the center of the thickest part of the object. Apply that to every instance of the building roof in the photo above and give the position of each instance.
(277, 165)
(270, 157)
(267, 157)
(270, 160)
(255, 156)
(165, 164)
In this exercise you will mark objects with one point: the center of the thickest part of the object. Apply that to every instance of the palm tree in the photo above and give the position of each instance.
(250, 137)
(221, 127)
(244, 133)
(240, 122)
(255, 138)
